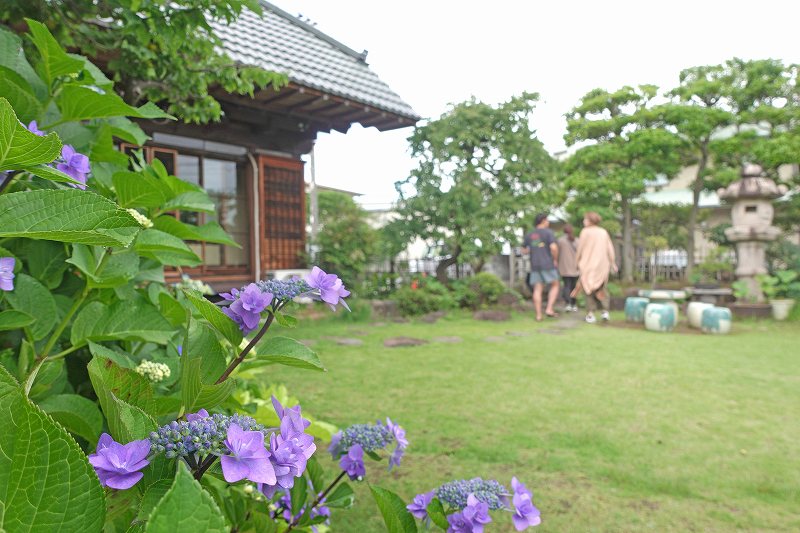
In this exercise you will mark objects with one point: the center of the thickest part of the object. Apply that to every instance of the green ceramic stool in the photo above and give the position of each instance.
(660, 317)
(716, 320)
(634, 309)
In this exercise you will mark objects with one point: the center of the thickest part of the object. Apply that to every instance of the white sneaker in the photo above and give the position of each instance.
(591, 319)
(605, 316)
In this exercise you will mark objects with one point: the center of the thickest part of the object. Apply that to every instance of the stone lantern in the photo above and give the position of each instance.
(752, 229)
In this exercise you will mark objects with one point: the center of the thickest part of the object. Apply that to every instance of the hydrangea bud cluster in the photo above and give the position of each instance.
(194, 284)
(371, 438)
(352, 443)
(199, 436)
(244, 306)
(140, 218)
(468, 502)
(155, 372)
(284, 290)
(455, 493)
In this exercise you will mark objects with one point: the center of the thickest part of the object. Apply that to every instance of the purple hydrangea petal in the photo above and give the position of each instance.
(233, 469)
(33, 127)
(7, 273)
(419, 506)
(123, 481)
(199, 415)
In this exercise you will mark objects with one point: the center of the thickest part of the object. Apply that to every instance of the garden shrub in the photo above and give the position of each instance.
(423, 295)
(360, 311)
(481, 290)
(378, 286)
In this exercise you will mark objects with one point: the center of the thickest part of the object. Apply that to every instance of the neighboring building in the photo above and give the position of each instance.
(250, 162)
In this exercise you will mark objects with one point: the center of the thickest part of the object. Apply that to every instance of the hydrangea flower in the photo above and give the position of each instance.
(7, 273)
(253, 300)
(270, 457)
(371, 438)
(75, 165)
(525, 513)
(470, 500)
(117, 465)
(248, 457)
(399, 435)
(353, 462)
(293, 427)
(419, 506)
(331, 289)
(200, 435)
(471, 519)
(33, 127)
(244, 306)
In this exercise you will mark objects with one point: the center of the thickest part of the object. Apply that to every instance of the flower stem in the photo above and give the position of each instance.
(318, 500)
(236, 362)
(8, 180)
(204, 465)
(63, 324)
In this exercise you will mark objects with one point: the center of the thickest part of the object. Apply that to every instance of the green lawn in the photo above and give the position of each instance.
(613, 429)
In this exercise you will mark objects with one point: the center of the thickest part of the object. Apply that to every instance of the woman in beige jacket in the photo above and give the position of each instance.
(596, 259)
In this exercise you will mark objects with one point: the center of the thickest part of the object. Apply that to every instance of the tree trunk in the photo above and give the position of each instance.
(627, 242)
(697, 187)
(444, 264)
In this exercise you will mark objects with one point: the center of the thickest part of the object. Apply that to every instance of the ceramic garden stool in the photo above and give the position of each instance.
(634, 309)
(695, 313)
(660, 317)
(716, 320)
(664, 296)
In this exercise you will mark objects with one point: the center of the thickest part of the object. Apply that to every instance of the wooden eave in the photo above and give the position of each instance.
(321, 111)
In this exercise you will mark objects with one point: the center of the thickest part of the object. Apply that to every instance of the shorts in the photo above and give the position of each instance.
(542, 276)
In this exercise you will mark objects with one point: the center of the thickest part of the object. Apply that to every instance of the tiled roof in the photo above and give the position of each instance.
(280, 42)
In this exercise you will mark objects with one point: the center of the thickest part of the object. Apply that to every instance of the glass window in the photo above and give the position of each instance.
(226, 184)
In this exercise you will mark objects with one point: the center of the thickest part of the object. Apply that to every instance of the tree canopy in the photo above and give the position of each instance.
(481, 171)
(143, 45)
(345, 240)
(620, 155)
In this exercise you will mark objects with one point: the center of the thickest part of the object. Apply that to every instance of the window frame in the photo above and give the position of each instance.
(204, 270)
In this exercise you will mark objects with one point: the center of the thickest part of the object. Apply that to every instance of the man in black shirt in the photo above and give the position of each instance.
(541, 243)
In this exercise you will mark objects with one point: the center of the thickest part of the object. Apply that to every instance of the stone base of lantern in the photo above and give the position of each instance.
(747, 310)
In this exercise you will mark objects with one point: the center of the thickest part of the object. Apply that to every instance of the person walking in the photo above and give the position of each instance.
(540, 242)
(568, 266)
(596, 258)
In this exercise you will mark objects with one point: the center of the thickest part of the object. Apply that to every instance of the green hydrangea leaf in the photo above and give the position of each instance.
(46, 482)
(395, 515)
(33, 298)
(79, 415)
(218, 320)
(186, 507)
(68, 215)
(284, 351)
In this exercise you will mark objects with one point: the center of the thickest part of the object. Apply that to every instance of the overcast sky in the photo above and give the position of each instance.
(437, 52)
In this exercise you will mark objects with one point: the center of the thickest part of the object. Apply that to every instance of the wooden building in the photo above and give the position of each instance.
(250, 162)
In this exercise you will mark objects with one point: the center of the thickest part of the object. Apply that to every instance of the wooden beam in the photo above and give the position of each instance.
(310, 101)
(282, 95)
